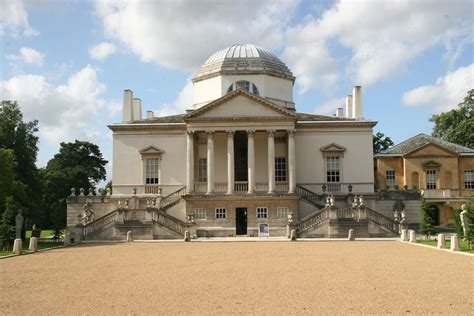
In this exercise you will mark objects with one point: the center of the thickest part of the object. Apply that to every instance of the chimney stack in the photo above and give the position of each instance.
(127, 114)
(137, 109)
(339, 112)
(149, 114)
(349, 106)
(357, 104)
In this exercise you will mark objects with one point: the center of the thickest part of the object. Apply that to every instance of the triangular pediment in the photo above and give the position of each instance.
(333, 148)
(241, 104)
(431, 165)
(151, 150)
(431, 149)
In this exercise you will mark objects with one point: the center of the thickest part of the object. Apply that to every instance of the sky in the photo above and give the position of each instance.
(68, 62)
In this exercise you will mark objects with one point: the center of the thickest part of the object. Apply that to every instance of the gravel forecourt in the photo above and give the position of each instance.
(238, 278)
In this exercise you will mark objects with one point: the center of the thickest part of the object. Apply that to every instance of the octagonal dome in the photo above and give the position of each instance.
(243, 59)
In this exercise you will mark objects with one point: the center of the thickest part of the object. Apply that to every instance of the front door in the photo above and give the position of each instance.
(241, 221)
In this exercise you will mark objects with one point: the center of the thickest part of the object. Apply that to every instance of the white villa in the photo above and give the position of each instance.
(241, 161)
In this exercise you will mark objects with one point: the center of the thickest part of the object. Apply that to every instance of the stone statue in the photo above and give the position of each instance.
(19, 220)
(464, 220)
(399, 206)
(81, 191)
(87, 215)
(73, 191)
(290, 217)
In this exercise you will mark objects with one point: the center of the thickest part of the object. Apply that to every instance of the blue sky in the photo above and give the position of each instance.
(68, 62)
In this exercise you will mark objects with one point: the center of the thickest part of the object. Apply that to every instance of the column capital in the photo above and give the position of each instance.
(190, 133)
(230, 133)
(250, 132)
(291, 132)
(210, 134)
(271, 132)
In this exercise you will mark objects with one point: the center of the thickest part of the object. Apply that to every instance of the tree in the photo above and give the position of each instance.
(381, 142)
(20, 137)
(77, 165)
(426, 220)
(457, 125)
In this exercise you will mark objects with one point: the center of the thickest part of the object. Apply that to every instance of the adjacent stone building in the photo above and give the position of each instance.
(443, 171)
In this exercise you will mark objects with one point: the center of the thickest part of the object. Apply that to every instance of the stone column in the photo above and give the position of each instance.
(291, 162)
(271, 161)
(210, 162)
(189, 162)
(230, 162)
(251, 162)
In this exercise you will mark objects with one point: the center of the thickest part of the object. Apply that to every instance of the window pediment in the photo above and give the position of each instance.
(151, 151)
(431, 165)
(333, 149)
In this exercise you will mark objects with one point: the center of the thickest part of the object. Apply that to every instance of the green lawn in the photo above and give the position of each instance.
(44, 233)
(434, 243)
(26, 244)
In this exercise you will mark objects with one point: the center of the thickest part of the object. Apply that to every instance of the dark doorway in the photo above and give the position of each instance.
(433, 212)
(241, 221)
(240, 156)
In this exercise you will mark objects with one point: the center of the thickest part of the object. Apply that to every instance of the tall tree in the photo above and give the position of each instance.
(381, 142)
(77, 165)
(20, 137)
(457, 125)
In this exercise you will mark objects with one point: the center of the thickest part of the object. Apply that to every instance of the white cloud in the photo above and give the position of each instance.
(330, 107)
(382, 36)
(182, 34)
(14, 19)
(446, 93)
(182, 103)
(27, 55)
(102, 51)
(65, 112)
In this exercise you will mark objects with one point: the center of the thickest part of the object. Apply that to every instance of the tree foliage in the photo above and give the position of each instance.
(19, 177)
(457, 125)
(426, 227)
(381, 142)
(77, 165)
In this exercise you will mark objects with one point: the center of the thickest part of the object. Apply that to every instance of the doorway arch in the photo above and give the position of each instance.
(433, 212)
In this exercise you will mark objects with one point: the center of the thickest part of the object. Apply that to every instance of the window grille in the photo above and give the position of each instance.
(333, 172)
(202, 169)
(200, 213)
(221, 213)
(282, 212)
(431, 179)
(390, 176)
(262, 212)
(280, 169)
(469, 179)
(151, 171)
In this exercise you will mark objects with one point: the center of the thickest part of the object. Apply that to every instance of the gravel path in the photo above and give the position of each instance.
(221, 278)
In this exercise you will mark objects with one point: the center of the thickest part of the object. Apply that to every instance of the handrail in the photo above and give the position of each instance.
(312, 220)
(382, 220)
(172, 198)
(310, 196)
(170, 222)
(100, 224)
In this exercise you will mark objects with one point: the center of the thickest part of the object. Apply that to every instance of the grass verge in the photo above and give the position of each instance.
(26, 244)
(434, 243)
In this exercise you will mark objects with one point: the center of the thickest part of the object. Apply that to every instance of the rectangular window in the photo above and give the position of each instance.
(280, 169)
(221, 213)
(200, 213)
(333, 169)
(431, 179)
(469, 179)
(202, 169)
(262, 212)
(390, 176)
(282, 212)
(151, 171)
(280, 140)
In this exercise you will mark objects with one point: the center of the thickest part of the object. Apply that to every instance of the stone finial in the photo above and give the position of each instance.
(134, 191)
(73, 191)
(454, 243)
(33, 244)
(108, 191)
(148, 203)
(91, 192)
(81, 191)
(412, 236)
(441, 241)
(350, 235)
(17, 247)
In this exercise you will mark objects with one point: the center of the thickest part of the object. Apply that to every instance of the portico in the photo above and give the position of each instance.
(251, 181)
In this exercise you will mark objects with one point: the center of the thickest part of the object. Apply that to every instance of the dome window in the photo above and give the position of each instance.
(244, 85)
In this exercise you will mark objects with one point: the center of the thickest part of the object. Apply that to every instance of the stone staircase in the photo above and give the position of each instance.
(150, 222)
(335, 222)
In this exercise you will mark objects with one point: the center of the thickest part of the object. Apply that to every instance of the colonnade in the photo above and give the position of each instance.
(250, 161)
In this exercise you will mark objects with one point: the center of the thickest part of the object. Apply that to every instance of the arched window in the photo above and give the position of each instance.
(244, 85)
